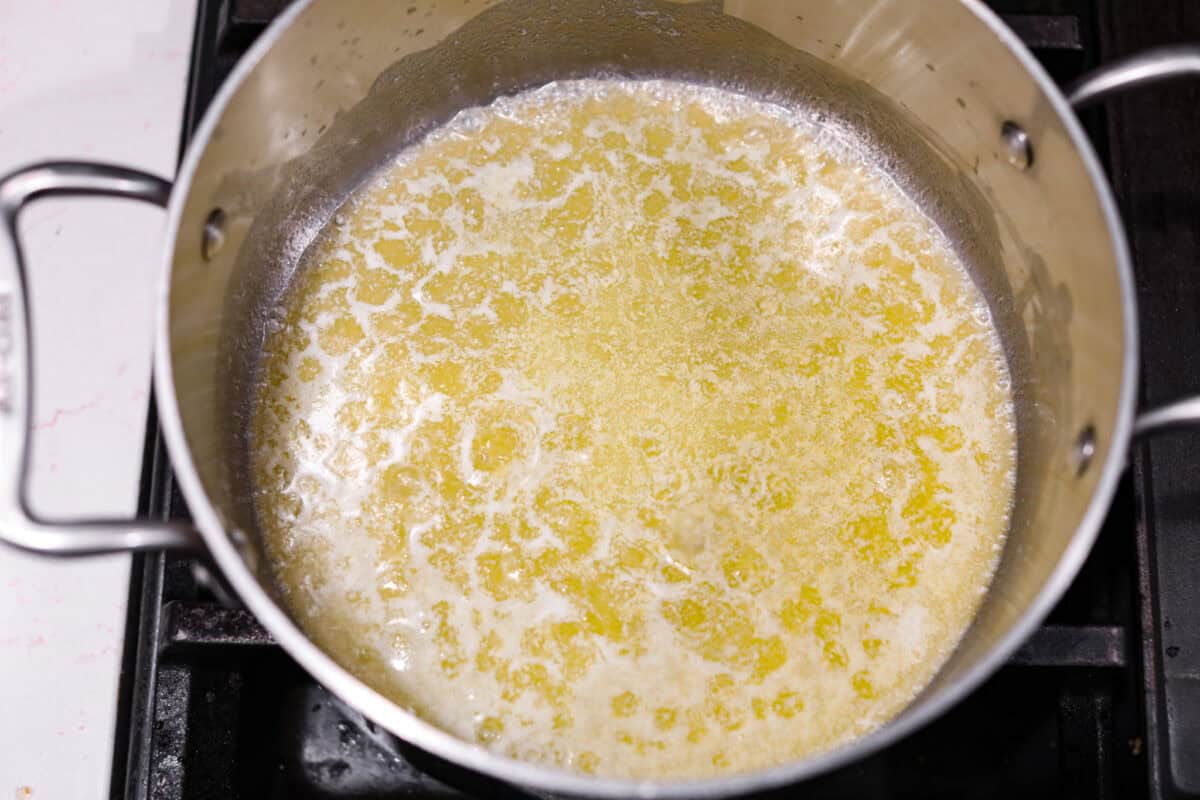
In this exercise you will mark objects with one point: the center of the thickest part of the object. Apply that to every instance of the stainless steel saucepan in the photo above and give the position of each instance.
(955, 106)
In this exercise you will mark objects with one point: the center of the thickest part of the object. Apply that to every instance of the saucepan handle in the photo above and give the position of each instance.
(1153, 66)
(19, 526)
(1157, 65)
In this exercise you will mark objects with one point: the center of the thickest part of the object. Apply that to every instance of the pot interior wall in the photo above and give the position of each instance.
(348, 85)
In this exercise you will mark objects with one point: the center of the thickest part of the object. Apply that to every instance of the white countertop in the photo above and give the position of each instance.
(81, 79)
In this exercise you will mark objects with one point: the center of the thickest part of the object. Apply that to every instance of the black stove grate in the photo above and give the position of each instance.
(1100, 703)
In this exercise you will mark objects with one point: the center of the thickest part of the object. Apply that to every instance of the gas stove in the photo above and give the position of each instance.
(1103, 701)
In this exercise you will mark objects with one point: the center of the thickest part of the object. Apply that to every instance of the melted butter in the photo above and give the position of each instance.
(637, 428)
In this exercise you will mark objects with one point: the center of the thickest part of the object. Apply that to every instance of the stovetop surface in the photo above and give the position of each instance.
(1103, 702)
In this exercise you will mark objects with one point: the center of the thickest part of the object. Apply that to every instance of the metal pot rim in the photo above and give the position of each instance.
(411, 728)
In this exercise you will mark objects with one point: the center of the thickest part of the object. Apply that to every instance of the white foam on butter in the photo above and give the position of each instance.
(659, 378)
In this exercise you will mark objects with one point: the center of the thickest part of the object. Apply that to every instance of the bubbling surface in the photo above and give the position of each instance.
(638, 428)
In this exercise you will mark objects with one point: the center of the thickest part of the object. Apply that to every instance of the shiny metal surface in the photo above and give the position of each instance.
(296, 129)
(1144, 69)
(213, 237)
(18, 524)
(1182, 414)
(1085, 449)
(1017, 147)
(333, 87)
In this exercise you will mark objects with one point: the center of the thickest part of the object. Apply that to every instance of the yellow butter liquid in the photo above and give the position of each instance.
(638, 428)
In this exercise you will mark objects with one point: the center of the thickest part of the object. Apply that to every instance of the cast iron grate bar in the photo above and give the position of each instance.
(1074, 646)
(194, 626)
(1046, 31)
(258, 13)
(1038, 31)
(202, 625)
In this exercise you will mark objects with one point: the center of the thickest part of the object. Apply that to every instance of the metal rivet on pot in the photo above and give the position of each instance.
(1085, 449)
(1017, 147)
(212, 238)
